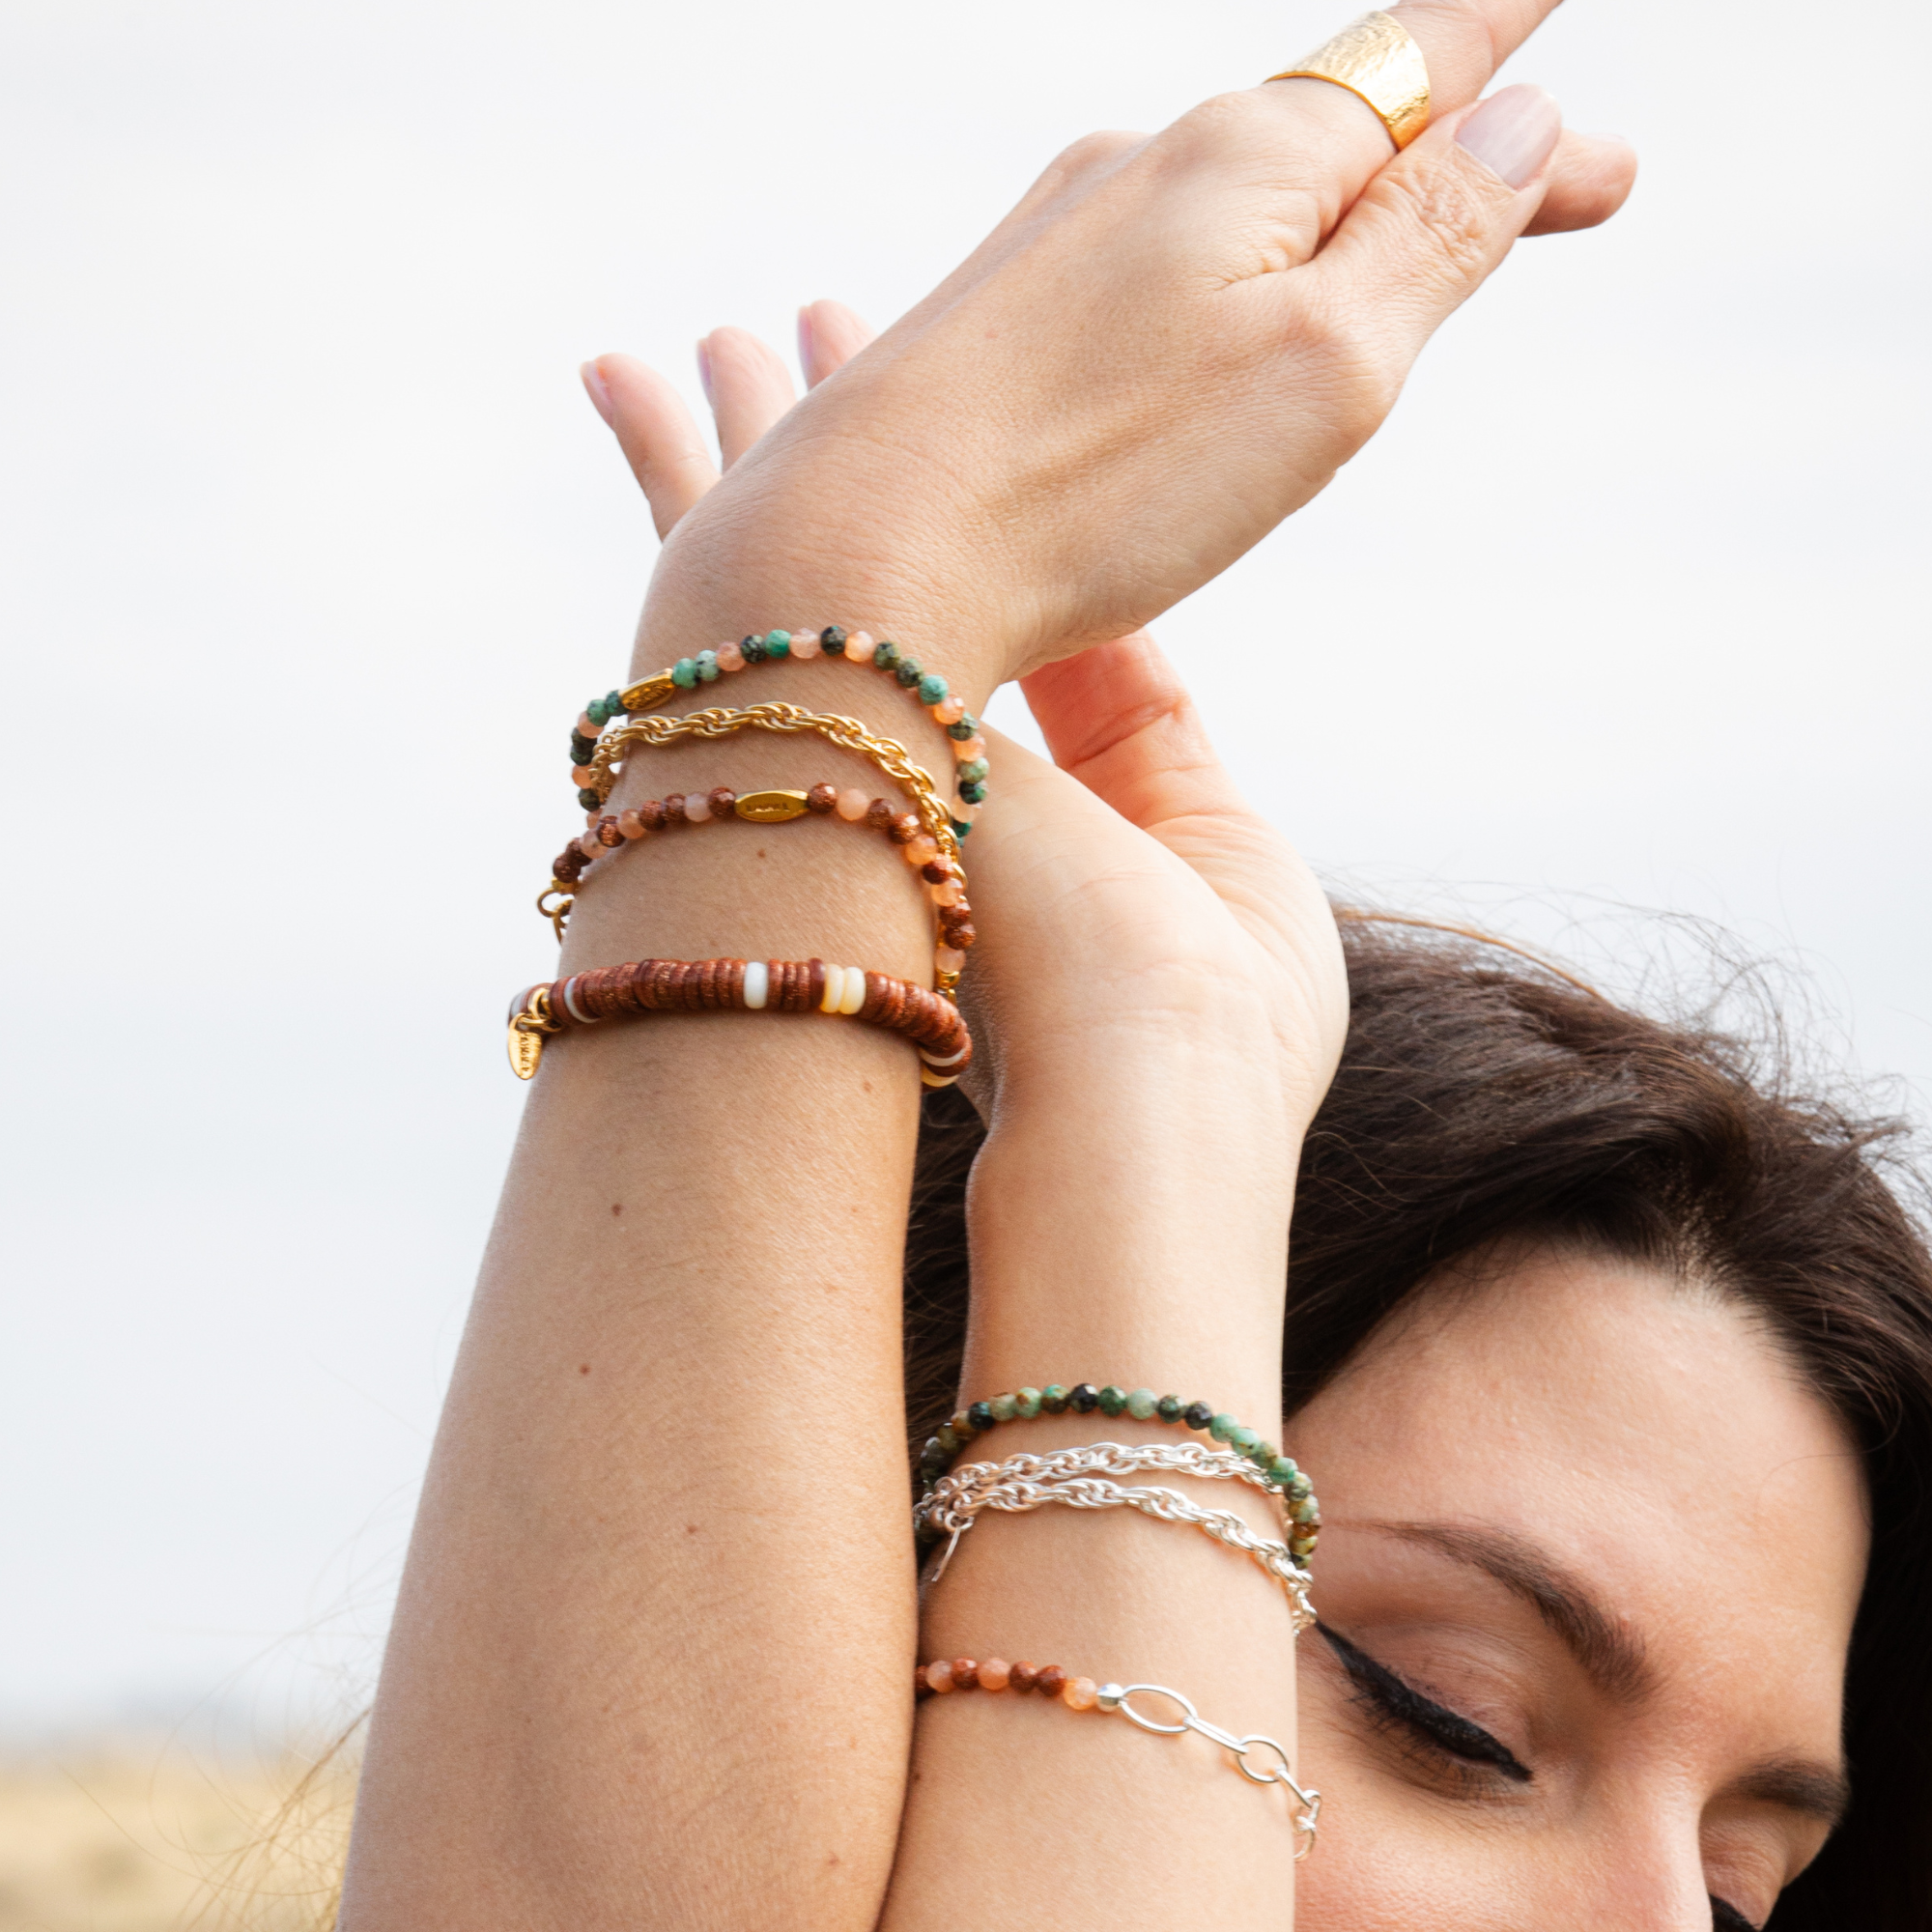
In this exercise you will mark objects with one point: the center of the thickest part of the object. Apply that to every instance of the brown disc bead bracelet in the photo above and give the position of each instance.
(938, 871)
(931, 1022)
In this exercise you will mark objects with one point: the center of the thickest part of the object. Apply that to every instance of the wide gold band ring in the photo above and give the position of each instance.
(1378, 61)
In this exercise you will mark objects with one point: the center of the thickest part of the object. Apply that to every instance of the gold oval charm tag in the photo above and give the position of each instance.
(526, 1050)
(771, 808)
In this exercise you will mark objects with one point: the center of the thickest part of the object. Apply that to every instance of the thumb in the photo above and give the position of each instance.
(1429, 230)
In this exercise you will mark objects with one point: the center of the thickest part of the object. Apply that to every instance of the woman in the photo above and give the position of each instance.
(1612, 1499)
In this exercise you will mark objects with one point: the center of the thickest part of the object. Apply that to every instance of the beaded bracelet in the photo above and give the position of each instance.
(940, 875)
(943, 1676)
(1280, 1472)
(969, 747)
(1077, 1478)
(848, 733)
(931, 1022)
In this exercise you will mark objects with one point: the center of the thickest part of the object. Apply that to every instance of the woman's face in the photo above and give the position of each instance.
(1589, 1572)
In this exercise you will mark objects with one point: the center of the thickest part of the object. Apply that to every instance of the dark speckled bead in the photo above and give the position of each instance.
(1197, 1416)
(1085, 1398)
(980, 1416)
(832, 641)
(1055, 1397)
(1168, 1409)
(1113, 1401)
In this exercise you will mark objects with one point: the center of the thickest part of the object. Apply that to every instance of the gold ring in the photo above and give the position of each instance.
(1378, 61)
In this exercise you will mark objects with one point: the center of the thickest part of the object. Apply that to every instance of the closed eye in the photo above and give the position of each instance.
(1428, 1722)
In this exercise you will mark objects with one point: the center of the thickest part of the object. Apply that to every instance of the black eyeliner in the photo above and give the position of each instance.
(1726, 1917)
(1444, 1728)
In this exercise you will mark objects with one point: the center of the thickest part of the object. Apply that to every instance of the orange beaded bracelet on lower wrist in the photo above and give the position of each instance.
(931, 1022)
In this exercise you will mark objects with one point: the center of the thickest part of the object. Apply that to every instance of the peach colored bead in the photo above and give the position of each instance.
(964, 748)
(860, 646)
(590, 845)
(630, 825)
(853, 805)
(921, 851)
(946, 892)
(730, 658)
(949, 710)
(804, 644)
(948, 959)
(581, 775)
(1081, 1693)
(696, 807)
(939, 1676)
(995, 1674)
(585, 727)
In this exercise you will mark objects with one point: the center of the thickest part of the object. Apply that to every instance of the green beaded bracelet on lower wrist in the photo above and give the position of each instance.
(1281, 1473)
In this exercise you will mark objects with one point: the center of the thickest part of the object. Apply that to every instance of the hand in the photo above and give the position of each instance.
(1170, 345)
(1130, 881)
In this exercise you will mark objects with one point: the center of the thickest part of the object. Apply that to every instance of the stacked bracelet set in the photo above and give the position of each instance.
(923, 826)
(953, 1498)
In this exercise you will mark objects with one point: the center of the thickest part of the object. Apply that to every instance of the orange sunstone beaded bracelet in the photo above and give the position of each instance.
(945, 1675)
(938, 872)
(931, 1022)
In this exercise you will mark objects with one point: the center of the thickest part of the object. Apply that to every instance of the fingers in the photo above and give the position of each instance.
(829, 336)
(1436, 222)
(664, 446)
(1590, 178)
(748, 387)
(1119, 719)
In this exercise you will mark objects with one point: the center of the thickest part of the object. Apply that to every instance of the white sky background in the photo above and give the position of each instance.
(310, 549)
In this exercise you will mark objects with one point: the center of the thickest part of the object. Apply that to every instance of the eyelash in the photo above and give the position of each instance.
(1423, 1722)
(1446, 1734)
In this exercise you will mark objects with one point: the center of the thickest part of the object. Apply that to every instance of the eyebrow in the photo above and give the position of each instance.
(1611, 1655)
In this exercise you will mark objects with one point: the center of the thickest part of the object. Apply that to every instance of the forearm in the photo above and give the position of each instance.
(650, 1653)
(1134, 1231)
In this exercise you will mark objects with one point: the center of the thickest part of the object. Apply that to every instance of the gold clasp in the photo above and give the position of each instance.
(558, 915)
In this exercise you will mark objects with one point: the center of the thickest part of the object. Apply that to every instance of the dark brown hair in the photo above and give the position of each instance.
(1482, 1096)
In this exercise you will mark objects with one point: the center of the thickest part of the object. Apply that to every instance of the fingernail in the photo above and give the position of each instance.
(600, 394)
(704, 369)
(1513, 132)
(804, 342)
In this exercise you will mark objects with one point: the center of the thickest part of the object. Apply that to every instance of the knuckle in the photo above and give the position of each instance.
(1449, 215)
(1091, 154)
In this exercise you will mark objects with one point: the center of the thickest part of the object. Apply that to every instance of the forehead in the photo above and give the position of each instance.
(1647, 1432)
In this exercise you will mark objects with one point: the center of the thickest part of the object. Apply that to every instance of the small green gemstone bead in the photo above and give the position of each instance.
(613, 702)
(967, 727)
(1222, 1426)
(707, 665)
(597, 711)
(1306, 1511)
(1140, 1405)
(960, 828)
(947, 1440)
(980, 1416)
(887, 655)
(581, 747)
(1243, 1439)
(1003, 1407)
(1280, 1472)
(1113, 1400)
(974, 770)
(1054, 1398)
(684, 673)
(973, 793)
(908, 671)
(778, 644)
(751, 650)
(932, 689)
(589, 800)
(1197, 1416)
(1168, 1409)
(1299, 1485)
(1026, 1404)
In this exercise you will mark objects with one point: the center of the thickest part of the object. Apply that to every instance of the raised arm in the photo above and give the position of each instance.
(652, 1658)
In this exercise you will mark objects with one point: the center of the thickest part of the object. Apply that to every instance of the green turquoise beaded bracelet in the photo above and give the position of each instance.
(928, 687)
(1281, 1473)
